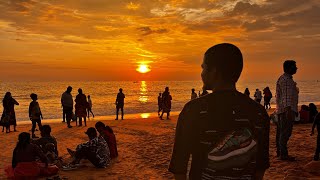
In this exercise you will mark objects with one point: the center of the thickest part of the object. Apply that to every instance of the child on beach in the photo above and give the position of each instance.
(35, 114)
(89, 109)
(316, 123)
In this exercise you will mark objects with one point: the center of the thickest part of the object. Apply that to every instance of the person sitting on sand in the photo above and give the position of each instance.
(304, 114)
(95, 150)
(35, 114)
(226, 132)
(107, 133)
(24, 160)
(316, 123)
(45, 139)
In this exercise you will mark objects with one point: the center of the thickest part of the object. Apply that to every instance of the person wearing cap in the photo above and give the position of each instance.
(35, 114)
(120, 103)
(95, 150)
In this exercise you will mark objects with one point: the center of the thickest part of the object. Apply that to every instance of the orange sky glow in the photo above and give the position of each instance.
(110, 39)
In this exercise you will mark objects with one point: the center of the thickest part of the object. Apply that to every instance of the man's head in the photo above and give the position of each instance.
(69, 89)
(120, 90)
(91, 132)
(192, 90)
(166, 89)
(100, 126)
(45, 130)
(34, 96)
(159, 94)
(80, 91)
(290, 67)
(222, 64)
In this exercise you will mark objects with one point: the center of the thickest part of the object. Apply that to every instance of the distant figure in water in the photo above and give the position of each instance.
(166, 103)
(247, 92)
(225, 132)
(81, 107)
(193, 94)
(35, 114)
(267, 97)
(90, 107)
(159, 104)
(8, 116)
(120, 103)
(67, 105)
(258, 96)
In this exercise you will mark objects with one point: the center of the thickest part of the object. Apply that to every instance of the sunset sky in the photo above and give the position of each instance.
(109, 39)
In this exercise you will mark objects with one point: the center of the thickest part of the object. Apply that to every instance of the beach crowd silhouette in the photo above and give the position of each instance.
(226, 132)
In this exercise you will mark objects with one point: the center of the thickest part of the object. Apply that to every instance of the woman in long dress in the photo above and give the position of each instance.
(8, 116)
(81, 107)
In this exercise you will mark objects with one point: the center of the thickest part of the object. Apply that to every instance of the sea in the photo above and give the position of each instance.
(141, 96)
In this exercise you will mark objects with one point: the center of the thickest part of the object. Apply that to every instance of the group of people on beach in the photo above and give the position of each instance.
(33, 158)
(226, 132)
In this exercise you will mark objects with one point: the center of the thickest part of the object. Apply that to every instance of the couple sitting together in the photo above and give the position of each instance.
(35, 158)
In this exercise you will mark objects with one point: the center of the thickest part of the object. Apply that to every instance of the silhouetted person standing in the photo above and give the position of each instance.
(247, 92)
(287, 108)
(267, 97)
(159, 104)
(258, 96)
(120, 103)
(166, 103)
(81, 107)
(9, 115)
(67, 105)
(226, 132)
(90, 107)
(35, 114)
(193, 94)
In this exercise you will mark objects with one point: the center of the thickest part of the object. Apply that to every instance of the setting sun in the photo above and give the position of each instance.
(142, 68)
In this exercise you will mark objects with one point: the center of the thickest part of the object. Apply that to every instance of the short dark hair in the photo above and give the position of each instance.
(91, 132)
(33, 96)
(227, 58)
(288, 64)
(46, 129)
(100, 124)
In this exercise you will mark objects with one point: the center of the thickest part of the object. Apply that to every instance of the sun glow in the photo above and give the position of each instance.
(142, 68)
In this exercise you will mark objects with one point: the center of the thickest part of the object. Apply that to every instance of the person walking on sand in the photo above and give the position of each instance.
(81, 107)
(90, 107)
(166, 103)
(159, 104)
(67, 105)
(35, 114)
(8, 116)
(193, 94)
(287, 108)
(247, 92)
(226, 132)
(316, 123)
(120, 103)
(258, 96)
(267, 97)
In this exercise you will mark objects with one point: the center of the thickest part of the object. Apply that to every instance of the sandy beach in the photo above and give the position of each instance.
(145, 147)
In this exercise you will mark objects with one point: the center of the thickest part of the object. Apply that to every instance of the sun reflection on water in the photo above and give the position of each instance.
(145, 115)
(143, 97)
